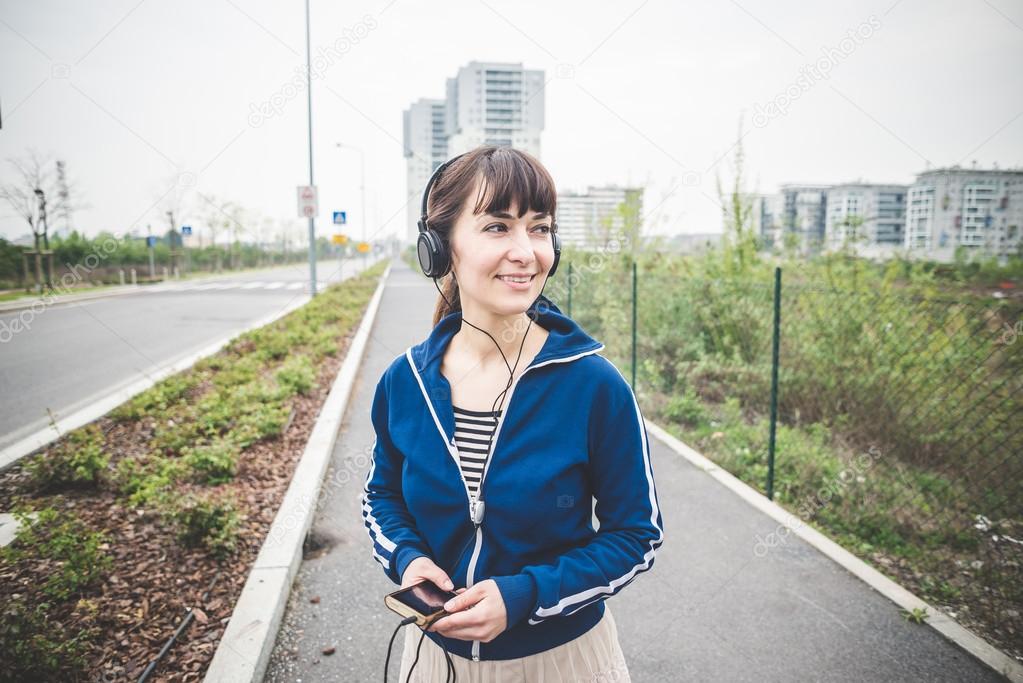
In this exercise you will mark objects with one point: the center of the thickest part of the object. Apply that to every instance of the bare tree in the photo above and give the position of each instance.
(27, 196)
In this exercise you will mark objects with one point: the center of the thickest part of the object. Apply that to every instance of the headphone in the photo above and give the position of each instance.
(435, 260)
(434, 256)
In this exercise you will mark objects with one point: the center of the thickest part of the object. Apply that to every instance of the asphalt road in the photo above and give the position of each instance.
(73, 354)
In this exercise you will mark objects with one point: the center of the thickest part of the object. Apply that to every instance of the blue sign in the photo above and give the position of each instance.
(150, 241)
(186, 229)
(339, 218)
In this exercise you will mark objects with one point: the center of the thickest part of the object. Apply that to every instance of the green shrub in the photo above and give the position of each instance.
(157, 399)
(62, 544)
(205, 520)
(36, 647)
(150, 481)
(687, 409)
(78, 460)
(259, 422)
(296, 375)
(214, 463)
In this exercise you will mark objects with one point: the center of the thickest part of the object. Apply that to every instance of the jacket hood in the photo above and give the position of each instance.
(566, 338)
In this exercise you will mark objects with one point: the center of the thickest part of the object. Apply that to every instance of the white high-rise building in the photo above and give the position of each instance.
(588, 219)
(486, 103)
(865, 214)
(973, 208)
(490, 103)
(425, 144)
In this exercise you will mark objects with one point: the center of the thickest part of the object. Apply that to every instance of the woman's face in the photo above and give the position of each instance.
(488, 247)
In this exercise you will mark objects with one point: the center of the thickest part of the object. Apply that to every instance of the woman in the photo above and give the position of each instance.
(484, 473)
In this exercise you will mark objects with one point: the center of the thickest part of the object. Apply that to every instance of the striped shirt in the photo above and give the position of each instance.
(473, 430)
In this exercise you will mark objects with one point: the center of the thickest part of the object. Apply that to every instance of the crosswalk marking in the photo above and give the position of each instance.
(296, 285)
(252, 285)
(275, 285)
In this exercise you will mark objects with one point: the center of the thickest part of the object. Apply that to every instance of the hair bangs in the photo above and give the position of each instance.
(506, 178)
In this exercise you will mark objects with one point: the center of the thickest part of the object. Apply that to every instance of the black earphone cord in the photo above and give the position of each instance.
(511, 375)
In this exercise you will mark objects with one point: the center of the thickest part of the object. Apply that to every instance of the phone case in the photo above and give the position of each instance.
(422, 620)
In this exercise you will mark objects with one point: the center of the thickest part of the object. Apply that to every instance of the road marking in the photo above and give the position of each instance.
(252, 285)
(275, 285)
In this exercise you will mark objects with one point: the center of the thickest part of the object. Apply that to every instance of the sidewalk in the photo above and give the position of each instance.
(709, 608)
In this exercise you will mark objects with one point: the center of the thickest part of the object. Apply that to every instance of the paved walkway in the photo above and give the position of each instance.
(709, 609)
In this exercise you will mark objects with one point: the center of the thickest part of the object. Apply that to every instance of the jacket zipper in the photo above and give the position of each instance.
(452, 450)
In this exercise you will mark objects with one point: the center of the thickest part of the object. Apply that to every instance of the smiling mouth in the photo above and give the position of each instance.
(517, 281)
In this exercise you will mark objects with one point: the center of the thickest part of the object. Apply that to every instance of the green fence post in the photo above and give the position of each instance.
(634, 325)
(774, 382)
(569, 289)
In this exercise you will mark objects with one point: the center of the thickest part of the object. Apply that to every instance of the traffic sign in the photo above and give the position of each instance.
(339, 218)
(308, 206)
(186, 229)
(150, 241)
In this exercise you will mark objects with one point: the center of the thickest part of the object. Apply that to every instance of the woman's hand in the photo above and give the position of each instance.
(425, 568)
(478, 613)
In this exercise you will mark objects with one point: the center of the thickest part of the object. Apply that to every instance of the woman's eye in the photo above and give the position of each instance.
(495, 225)
(545, 228)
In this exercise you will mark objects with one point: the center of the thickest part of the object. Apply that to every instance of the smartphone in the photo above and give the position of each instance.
(424, 601)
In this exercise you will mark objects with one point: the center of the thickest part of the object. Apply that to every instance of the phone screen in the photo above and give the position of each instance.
(425, 597)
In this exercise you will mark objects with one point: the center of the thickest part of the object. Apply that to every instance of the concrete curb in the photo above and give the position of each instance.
(945, 625)
(244, 650)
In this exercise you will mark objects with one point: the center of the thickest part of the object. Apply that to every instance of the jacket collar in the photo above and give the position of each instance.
(566, 338)
(565, 342)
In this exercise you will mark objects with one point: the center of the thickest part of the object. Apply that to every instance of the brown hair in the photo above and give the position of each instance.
(507, 175)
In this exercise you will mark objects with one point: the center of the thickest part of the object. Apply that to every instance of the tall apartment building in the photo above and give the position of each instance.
(491, 103)
(974, 208)
(865, 214)
(589, 219)
(425, 148)
(486, 103)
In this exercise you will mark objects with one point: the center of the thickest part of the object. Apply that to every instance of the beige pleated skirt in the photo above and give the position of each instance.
(594, 657)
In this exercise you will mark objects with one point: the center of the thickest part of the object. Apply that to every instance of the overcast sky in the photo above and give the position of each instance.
(155, 99)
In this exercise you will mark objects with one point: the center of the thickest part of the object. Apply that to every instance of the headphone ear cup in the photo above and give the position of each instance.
(556, 240)
(433, 257)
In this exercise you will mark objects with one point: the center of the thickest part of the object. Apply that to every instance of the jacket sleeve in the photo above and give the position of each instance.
(631, 528)
(392, 530)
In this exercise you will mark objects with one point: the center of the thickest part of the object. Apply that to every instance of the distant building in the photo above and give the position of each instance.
(588, 219)
(767, 210)
(803, 209)
(865, 214)
(491, 103)
(974, 208)
(486, 103)
(425, 147)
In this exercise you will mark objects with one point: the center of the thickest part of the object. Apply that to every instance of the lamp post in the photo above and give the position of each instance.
(41, 196)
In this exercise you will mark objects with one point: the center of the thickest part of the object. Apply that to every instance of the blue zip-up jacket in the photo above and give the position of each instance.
(571, 432)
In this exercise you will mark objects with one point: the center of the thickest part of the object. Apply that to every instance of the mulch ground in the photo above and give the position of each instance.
(154, 579)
